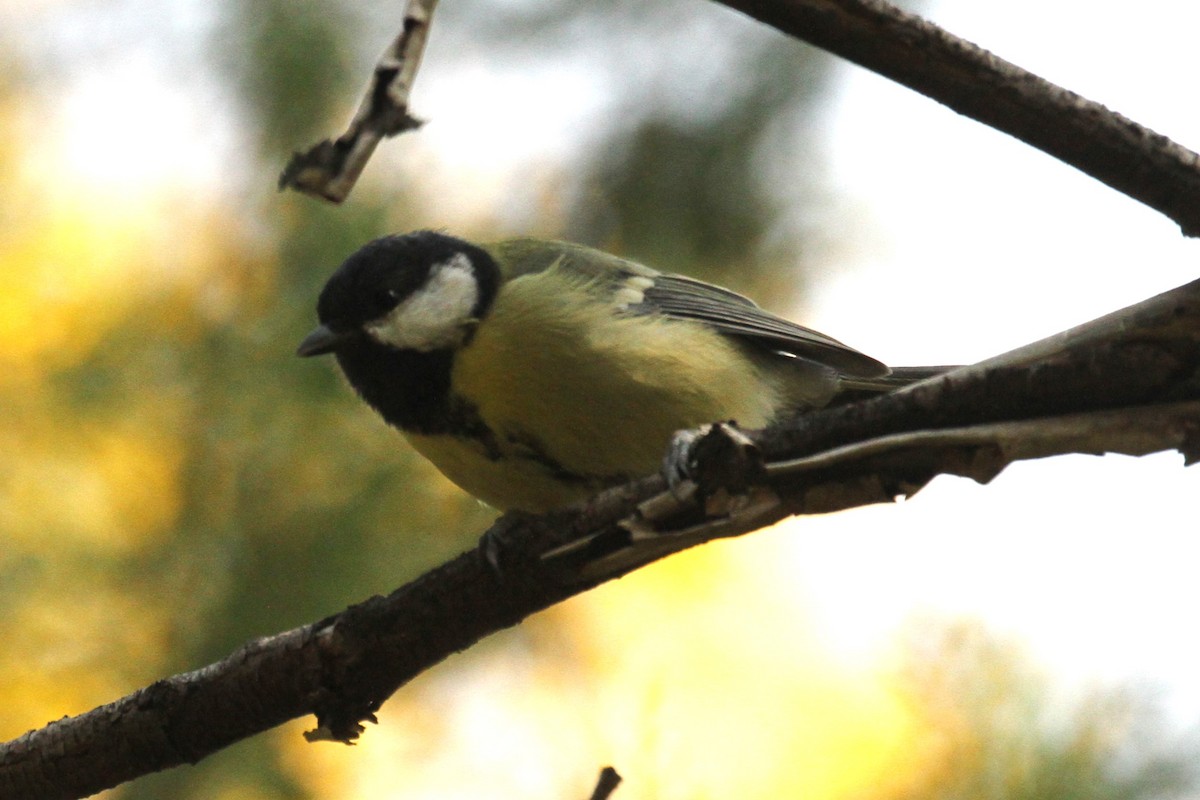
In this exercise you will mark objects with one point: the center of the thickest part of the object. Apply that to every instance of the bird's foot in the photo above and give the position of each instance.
(496, 541)
(710, 459)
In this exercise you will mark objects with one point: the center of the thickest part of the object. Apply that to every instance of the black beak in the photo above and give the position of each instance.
(322, 340)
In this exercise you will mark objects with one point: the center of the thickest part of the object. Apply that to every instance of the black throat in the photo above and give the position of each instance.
(410, 389)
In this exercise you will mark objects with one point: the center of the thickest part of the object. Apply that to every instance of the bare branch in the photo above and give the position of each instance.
(883, 469)
(1132, 159)
(1129, 382)
(329, 169)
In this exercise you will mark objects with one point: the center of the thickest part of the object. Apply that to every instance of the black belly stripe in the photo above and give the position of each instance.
(532, 449)
(521, 446)
(463, 421)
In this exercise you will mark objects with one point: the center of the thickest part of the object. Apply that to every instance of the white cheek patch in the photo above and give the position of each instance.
(434, 317)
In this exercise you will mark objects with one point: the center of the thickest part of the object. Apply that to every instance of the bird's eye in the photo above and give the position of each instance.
(387, 298)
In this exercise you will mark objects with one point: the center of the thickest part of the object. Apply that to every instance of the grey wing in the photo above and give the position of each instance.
(686, 298)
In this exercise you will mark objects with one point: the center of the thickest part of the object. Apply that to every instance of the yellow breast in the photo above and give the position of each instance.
(579, 396)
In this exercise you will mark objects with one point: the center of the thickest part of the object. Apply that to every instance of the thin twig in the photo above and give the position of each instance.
(329, 169)
(607, 784)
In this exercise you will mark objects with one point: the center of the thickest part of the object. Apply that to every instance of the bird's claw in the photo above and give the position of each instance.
(678, 465)
(496, 541)
(711, 458)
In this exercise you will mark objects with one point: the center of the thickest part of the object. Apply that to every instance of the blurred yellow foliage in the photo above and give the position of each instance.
(66, 277)
(78, 261)
(69, 275)
(72, 646)
(85, 486)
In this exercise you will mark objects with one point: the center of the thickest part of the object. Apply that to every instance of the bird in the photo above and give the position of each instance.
(534, 373)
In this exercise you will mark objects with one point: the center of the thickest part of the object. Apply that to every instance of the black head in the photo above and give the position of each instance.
(418, 291)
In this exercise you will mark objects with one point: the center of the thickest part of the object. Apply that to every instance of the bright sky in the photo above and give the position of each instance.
(978, 244)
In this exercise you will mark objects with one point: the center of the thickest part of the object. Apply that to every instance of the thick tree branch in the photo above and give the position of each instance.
(1132, 159)
(1129, 383)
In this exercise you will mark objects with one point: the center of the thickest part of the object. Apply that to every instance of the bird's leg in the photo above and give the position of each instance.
(715, 476)
(717, 488)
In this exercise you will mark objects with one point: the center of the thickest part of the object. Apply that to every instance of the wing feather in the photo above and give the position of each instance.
(731, 313)
(639, 289)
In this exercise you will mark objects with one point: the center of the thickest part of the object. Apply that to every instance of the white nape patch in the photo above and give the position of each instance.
(434, 317)
(633, 291)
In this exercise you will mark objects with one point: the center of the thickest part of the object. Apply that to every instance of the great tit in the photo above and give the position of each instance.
(534, 373)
